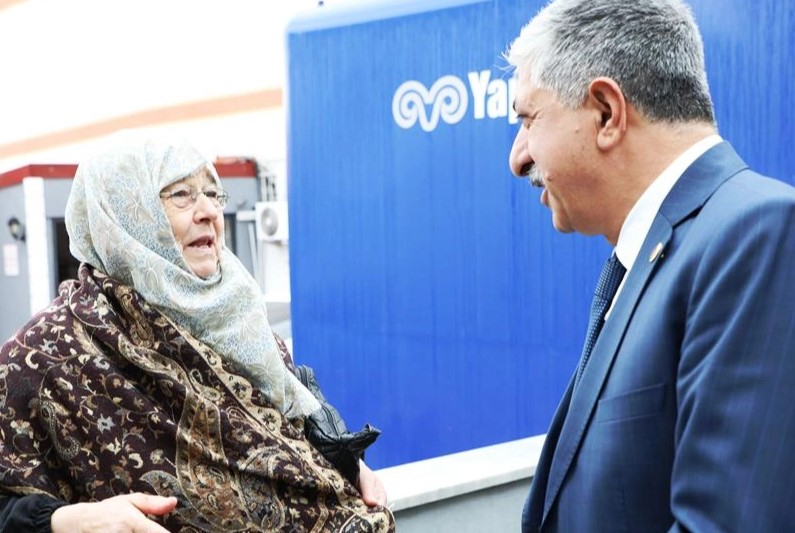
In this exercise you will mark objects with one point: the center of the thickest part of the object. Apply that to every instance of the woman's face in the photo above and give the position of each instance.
(199, 227)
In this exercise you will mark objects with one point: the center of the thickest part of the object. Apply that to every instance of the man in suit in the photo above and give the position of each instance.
(681, 414)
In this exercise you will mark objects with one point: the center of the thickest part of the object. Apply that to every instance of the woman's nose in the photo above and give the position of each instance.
(205, 208)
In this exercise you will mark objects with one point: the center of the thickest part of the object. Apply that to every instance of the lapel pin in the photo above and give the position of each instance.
(657, 252)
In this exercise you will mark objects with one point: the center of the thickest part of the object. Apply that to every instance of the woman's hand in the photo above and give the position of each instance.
(371, 487)
(120, 514)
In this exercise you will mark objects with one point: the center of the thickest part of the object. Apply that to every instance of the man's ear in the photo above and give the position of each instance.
(606, 98)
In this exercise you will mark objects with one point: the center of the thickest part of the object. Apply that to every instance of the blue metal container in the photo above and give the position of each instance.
(429, 290)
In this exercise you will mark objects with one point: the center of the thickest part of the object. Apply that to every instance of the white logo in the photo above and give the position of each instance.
(449, 99)
(448, 96)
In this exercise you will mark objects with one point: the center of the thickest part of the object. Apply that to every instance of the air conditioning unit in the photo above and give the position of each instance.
(270, 220)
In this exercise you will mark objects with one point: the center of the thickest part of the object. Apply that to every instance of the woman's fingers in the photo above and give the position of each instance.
(370, 485)
(120, 514)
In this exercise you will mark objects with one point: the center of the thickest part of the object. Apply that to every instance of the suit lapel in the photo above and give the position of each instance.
(691, 191)
(583, 400)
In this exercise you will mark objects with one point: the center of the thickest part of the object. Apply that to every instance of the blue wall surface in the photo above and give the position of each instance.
(429, 290)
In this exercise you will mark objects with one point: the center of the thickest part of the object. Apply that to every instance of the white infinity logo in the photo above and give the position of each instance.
(448, 95)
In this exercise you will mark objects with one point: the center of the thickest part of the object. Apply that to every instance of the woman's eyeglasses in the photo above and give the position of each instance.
(187, 196)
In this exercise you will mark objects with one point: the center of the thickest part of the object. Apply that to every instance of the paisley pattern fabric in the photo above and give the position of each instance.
(117, 224)
(102, 394)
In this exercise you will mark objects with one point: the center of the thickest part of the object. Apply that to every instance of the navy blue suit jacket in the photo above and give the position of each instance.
(684, 419)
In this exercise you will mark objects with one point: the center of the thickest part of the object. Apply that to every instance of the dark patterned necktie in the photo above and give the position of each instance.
(612, 274)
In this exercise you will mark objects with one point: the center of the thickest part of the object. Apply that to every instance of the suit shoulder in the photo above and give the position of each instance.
(748, 207)
(749, 188)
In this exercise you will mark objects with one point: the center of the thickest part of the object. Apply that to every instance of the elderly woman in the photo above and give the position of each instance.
(151, 393)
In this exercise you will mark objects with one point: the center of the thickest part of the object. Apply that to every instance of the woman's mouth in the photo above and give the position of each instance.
(202, 242)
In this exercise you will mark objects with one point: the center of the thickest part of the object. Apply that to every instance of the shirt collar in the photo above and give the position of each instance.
(639, 220)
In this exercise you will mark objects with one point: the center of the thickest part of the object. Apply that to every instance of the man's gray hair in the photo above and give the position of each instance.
(651, 48)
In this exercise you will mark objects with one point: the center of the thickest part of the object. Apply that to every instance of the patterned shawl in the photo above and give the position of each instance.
(102, 394)
(117, 224)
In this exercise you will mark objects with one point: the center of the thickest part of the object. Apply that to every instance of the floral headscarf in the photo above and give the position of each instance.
(117, 224)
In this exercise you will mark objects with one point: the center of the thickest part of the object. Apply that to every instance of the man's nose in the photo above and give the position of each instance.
(520, 160)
